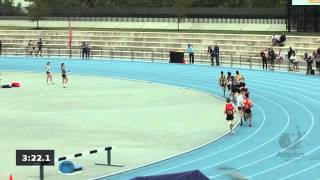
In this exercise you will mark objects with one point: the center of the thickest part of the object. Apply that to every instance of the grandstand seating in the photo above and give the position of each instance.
(151, 45)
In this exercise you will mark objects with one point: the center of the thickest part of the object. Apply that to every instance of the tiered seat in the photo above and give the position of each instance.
(154, 45)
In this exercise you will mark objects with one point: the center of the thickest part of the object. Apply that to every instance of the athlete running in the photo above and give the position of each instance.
(223, 83)
(229, 110)
(239, 97)
(247, 105)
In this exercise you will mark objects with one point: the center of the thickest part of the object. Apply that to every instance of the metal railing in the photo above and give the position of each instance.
(237, 60)
(159, 19)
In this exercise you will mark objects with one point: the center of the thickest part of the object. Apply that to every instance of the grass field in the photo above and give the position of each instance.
(143, 122)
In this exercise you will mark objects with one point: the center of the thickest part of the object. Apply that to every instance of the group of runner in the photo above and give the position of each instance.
(238, 97)
(63, 73)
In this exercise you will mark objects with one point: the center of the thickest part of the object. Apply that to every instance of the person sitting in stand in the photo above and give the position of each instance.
(275, 39)
(282, 39)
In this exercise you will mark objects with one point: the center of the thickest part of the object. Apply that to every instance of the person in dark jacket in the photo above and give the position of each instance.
(317, 58)
(216, 52)
(211, 53)
(39, 44)
(264, 59)
(84, 49)
(88, 49)
(291, 53)
(0, 47)
(282, 39)
(271, 57)
(309, 62)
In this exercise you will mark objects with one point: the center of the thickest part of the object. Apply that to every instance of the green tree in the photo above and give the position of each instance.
(8, 3)
(181, 7)
(19, 8)
(36, 10)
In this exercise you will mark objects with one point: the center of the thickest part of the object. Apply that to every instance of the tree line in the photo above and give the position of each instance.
(176, 8)
(8, 8)
(160, 3)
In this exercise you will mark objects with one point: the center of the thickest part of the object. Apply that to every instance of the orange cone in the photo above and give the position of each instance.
(10, 177)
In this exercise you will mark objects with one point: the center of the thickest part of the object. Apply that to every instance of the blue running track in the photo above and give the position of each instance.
(284, 142)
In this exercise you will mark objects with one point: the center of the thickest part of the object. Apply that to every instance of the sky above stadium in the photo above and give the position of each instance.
(22, 2)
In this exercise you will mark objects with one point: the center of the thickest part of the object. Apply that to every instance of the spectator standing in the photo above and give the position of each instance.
(84, 49)
(318, 60)
(39, 45)
(34, 44)
(280, 57)
(190, 50)
(314, 57)
(271, 57)
(216, 52)
(291, 57)
(88, 49)
(211, 53)
(294, 62)
(30, 48)
(309, 62)
(264, 59)
(0, 48)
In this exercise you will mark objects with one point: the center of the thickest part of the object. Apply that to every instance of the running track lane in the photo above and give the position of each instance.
(282, 144)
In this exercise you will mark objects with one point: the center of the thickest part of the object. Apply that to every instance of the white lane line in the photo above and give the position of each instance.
(217, 152)
(271, 155)
(257, 130)
(301, 171)
(261, 145)
(308, 132)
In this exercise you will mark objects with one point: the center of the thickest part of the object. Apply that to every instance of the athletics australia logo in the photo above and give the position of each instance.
(290, 143)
